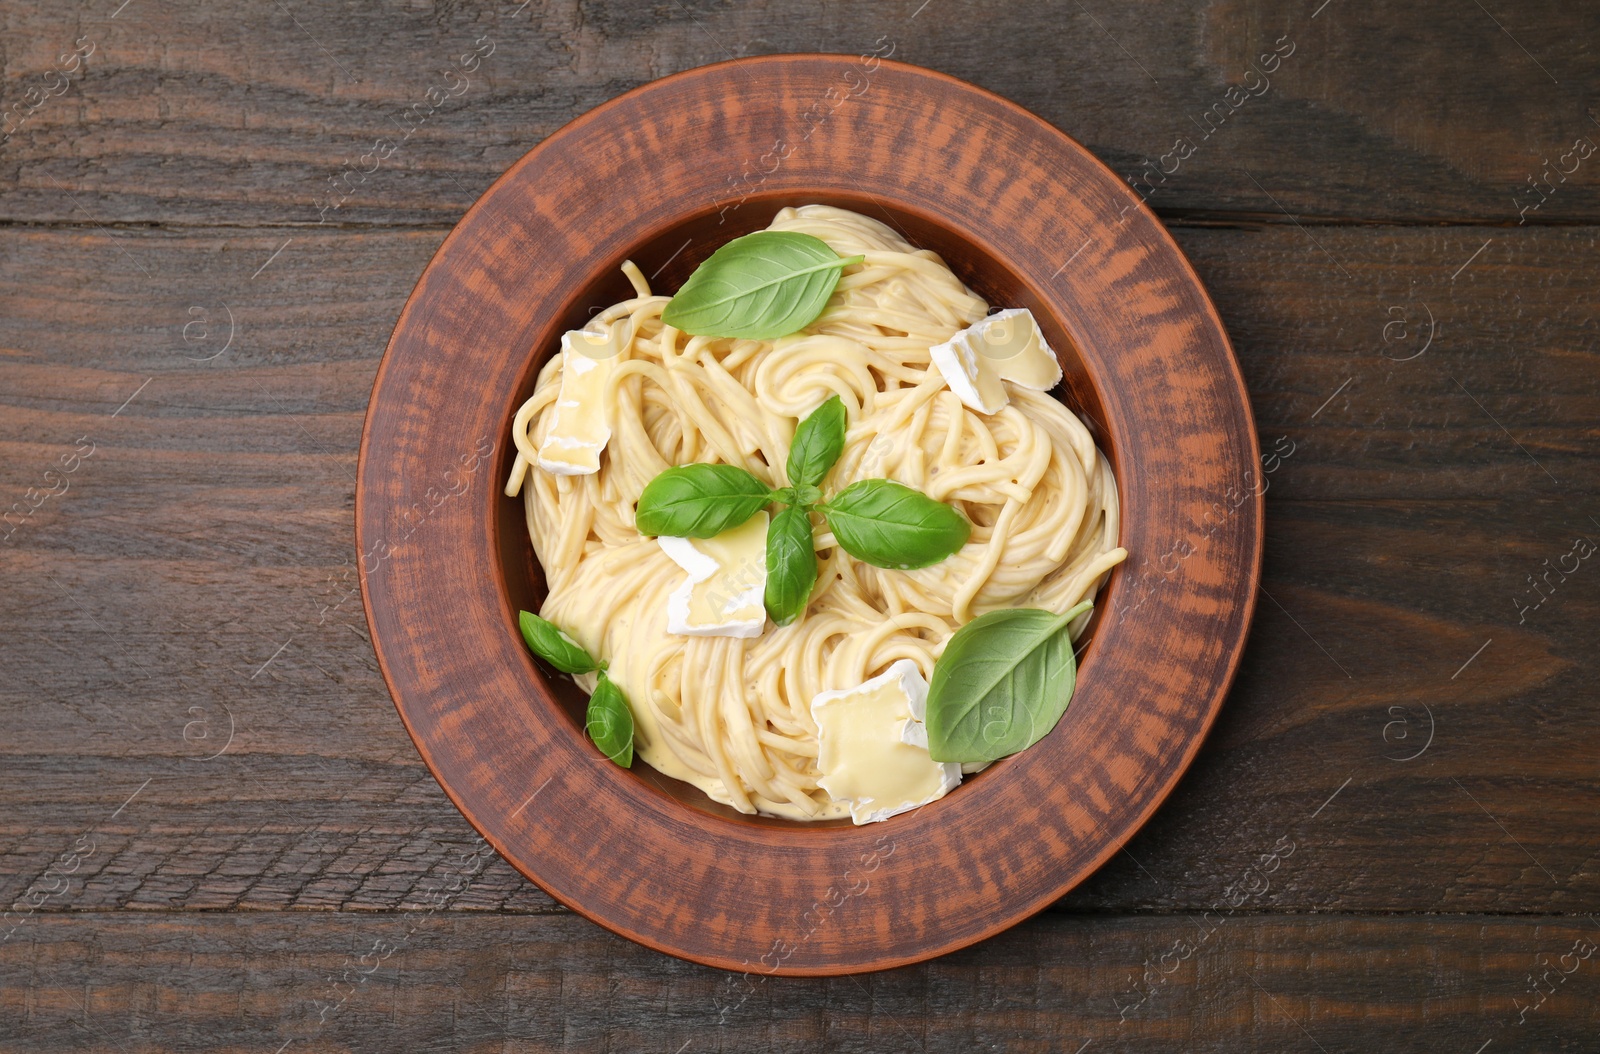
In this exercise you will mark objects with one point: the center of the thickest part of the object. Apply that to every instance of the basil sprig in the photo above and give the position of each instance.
(791, 564)
(887, 524)
(798, 495)
(700, 501)
(761, 286)
(1001, 685)
(877, 521)
(608, 721)
(818, 442)
(552, 645)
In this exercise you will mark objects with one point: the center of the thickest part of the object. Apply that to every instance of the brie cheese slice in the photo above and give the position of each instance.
(579, 429)
(724, 595)
(873, 746)
(1004, 346)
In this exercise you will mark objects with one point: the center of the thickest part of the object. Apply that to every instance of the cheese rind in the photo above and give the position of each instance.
(724, 594)
(1004, 346)
(873, 747)
(580, 428)
(973, 381)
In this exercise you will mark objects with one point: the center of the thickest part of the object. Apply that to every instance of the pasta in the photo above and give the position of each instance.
(730, 715)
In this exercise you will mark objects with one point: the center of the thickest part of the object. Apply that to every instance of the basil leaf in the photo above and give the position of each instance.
(887, 524)
(791, 564)
(609, 722)
(818, 442)
(547, 641)
(700, 501)
(762, 286)
(806, 495)
(1001, 685)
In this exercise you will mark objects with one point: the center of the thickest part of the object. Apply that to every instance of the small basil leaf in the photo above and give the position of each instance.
(762, 286)
(609, 722)
(791, 564)
(818, 442)
(700, 501)
(1001, 685)
(804, 496)
(548, 642)
(887, 524)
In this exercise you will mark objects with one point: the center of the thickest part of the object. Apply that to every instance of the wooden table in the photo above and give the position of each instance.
(216, 834)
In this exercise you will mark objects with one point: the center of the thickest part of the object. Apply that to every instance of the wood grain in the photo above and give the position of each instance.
(213, 524)
(91, 315)
(407, 981)
(246, 114)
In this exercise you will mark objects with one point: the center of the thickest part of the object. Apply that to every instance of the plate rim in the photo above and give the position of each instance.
(1115, 842)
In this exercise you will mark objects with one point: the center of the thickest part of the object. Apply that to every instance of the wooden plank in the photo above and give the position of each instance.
(1355, 113)
(1428, 363)
(320, 800)
(196, 576)
(204, 779)
(240, 982)
(1451, 362)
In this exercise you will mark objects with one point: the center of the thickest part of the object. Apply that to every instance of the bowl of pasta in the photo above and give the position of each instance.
(809, 514)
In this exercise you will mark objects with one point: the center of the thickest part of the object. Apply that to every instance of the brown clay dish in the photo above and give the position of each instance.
(664, 175)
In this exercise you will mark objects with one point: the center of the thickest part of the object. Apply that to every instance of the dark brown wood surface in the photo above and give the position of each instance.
(146, 606)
